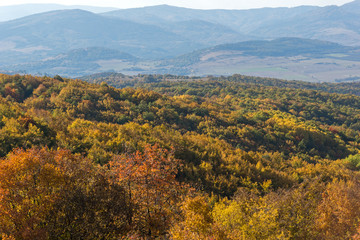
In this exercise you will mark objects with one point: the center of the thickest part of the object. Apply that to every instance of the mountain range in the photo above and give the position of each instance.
(167, 39)
(331, 23)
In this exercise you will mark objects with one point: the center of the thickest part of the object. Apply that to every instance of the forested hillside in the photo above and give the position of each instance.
(167, 157)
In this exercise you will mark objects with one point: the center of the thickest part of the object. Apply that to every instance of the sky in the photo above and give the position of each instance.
(199, 4)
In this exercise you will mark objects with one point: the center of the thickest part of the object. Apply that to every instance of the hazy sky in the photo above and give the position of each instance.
(201, 4)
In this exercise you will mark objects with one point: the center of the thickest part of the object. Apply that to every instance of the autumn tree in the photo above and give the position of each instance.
(197, 221)
(338, 214)
(150, 180)
(56, 195)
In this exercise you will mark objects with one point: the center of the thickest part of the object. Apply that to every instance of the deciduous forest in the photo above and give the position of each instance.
(166, 157)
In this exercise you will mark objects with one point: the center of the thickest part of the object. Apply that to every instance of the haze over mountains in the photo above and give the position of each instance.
(17, 11)
(151, 39)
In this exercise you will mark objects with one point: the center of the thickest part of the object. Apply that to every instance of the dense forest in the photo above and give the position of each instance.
(167, 157)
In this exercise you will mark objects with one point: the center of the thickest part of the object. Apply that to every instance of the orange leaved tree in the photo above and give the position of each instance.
(150, 180)
(57, 195)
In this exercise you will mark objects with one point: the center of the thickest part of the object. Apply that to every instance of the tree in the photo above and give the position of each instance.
(338, 214)
(150, 180)
(197, 222)
(56, 195)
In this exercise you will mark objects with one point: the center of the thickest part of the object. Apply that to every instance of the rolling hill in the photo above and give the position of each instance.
(286, 58)
(75, 62)
(22, 10)
(286, 47)
(60, 31)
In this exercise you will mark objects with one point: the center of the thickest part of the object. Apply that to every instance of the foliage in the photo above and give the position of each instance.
(210, 158)
(149, 178)
(56, 195)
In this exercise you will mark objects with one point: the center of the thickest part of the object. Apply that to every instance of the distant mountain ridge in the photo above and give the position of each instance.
(22, 10)
(59, 31)
(331, 23)
(167, 39)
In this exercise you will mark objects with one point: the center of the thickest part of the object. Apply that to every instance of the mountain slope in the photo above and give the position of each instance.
(282, 47)
(285, 58)
(206, 33)
(286, 47)
(59, 31)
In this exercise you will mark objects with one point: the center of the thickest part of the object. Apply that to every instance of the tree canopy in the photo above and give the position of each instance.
(175, 157)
